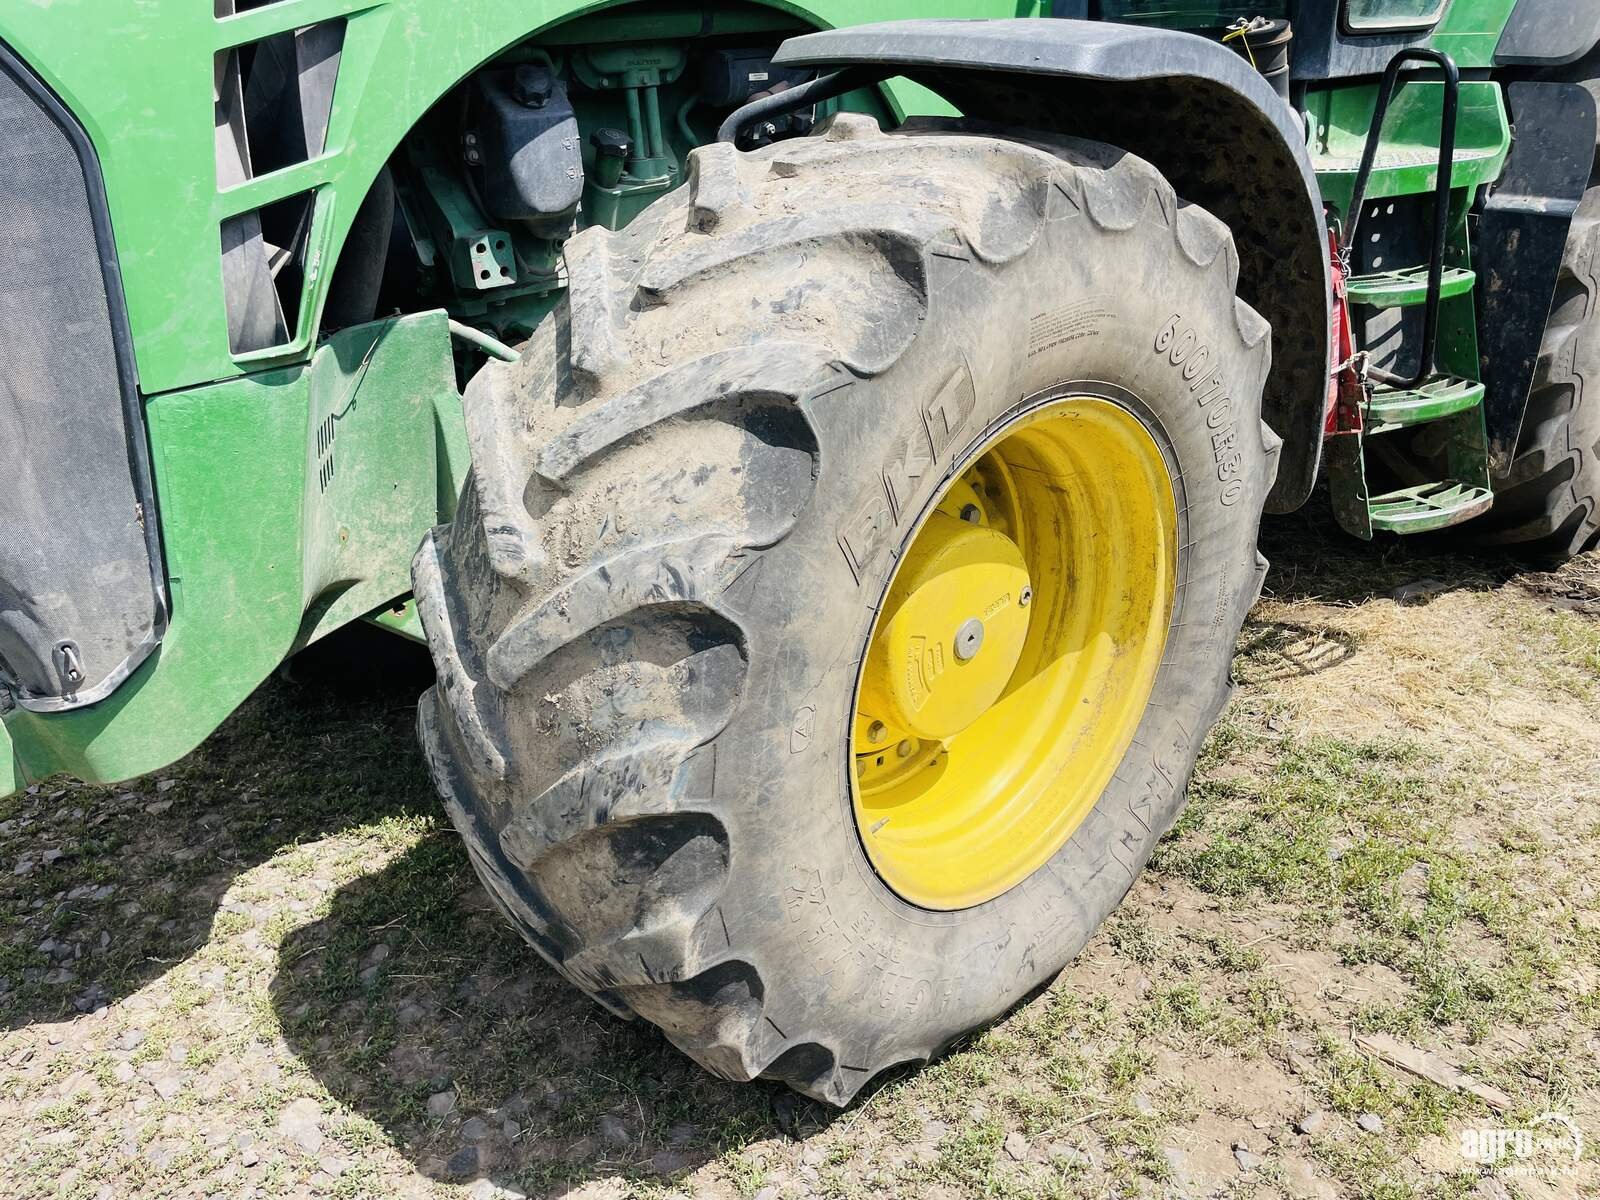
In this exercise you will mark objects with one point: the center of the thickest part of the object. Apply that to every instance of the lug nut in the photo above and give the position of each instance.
(905, 749)
(1026, 598)
(877, 731)
(971, 514)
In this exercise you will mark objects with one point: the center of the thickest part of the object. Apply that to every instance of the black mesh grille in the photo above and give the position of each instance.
(79, 604)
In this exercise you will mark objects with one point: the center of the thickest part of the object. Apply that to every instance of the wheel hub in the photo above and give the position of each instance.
(931, 676)
(1014, 653)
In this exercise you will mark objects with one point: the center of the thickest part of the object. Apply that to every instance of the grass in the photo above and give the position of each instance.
(1394, 830)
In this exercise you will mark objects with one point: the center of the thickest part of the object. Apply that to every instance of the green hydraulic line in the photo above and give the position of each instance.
(682, 119)
(493, 347)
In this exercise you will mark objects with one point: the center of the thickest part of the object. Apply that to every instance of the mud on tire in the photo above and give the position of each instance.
(686, 499)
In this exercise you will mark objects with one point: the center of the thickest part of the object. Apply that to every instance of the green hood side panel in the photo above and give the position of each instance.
(141, 79)
(292, 502)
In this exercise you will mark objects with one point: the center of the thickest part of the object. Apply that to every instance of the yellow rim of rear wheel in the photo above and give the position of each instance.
(1015, 653)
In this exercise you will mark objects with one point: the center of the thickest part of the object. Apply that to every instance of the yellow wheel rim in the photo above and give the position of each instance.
(1015, 653)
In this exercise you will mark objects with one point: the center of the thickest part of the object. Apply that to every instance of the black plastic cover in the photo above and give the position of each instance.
(81, 600)
(729, 77)
(532, 155)
(1549, 33)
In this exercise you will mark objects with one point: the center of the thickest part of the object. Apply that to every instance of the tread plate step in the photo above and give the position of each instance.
(1441, 396)
(1428, 506)
(1406, 287)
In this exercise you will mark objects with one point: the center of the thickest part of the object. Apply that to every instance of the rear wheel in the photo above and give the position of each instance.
(849, 574)
(1548, 499)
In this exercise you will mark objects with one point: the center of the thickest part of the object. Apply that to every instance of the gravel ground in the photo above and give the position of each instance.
(269, 971)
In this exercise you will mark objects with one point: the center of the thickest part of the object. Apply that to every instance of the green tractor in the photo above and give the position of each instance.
(836, 450)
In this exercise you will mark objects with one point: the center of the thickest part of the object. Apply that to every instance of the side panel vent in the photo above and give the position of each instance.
(263, 270)
(273, 99)
(326, 465)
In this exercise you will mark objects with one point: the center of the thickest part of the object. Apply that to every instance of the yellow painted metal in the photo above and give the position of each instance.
(958, 577)
(1015, 653)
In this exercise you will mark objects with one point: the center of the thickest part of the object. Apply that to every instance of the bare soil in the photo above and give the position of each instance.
(269, 971)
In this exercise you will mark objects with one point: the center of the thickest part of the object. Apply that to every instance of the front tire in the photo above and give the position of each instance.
(688, 500)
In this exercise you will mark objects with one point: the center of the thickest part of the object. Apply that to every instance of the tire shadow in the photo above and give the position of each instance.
(1310, 558)
(417, 1006)
(103, 889)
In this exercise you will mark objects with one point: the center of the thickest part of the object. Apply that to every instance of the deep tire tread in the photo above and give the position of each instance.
(565, 448)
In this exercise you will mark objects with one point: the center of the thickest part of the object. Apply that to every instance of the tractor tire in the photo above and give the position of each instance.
(1548, 499)
(686, 499)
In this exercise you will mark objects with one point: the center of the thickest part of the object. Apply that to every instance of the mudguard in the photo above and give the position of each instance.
(1549, 33)
(1189, 106)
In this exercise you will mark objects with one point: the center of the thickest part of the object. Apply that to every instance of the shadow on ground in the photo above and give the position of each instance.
(104, 889)
(1312, 559)
(416, 1005)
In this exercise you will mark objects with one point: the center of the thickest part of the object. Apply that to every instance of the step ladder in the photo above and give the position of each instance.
(1392, 403)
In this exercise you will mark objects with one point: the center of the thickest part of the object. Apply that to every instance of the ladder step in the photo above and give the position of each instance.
(1428, 506)
(1401, 289)
(1441, 396)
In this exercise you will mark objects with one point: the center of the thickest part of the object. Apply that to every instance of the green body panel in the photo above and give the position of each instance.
(140, 78)
(292, 502)
(294, 483)
(1471, 30)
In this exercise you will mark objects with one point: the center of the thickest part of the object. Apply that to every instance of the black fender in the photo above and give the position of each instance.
(1548, 33)
(1519, 242)
(1190, 107)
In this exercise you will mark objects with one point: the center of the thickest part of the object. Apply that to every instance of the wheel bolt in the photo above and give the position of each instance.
(1026, 598)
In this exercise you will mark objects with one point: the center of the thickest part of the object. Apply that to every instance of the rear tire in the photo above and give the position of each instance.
(1548, 499)
(686, 500)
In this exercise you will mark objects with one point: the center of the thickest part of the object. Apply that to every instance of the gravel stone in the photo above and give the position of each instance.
(1016, 1145)
(300, 1122)
(441, 1104)
(168, 1084)
(1311, 1122)
(1371, 1122)
(475, 1129)
(463, 1162)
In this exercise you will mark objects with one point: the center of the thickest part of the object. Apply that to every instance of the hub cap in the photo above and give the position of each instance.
(1014, 654)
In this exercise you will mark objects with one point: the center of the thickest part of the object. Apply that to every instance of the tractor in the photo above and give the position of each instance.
(823, 458)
